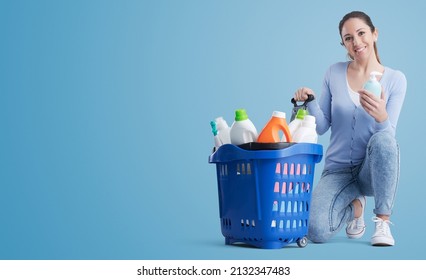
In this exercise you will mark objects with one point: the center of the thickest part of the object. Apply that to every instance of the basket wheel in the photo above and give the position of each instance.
(302, 242)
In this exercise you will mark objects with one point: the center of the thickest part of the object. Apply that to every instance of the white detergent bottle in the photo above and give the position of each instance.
(306, 133)
(296, 123)
(242, 130)
(372, 85)
(223, 130)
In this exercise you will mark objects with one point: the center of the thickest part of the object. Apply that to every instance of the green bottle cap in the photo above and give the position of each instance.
(241, 115)
(301, 113)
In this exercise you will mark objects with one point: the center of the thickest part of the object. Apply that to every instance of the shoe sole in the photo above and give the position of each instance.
(355, 236)
(382, 243)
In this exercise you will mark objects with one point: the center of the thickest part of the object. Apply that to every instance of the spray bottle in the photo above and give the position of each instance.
(223, 130)
(217, 141)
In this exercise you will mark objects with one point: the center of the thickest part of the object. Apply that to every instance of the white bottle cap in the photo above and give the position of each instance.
(278, 114)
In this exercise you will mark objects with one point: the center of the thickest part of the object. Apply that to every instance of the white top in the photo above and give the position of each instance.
(278, 114)
(354, 96)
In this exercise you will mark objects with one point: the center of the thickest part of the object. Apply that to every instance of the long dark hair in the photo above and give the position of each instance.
(364, 17)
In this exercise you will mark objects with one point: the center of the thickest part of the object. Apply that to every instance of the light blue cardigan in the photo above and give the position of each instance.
(352, 127)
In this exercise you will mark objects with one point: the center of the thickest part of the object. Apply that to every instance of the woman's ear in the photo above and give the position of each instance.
(376, 34)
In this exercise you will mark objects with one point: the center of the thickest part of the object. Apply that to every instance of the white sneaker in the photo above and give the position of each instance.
(382, 236)
(356, 227)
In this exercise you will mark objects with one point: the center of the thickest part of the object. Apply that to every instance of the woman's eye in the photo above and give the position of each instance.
(361, 33)
(347, 39)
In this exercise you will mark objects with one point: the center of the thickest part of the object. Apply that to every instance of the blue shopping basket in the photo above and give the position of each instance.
(264, 195)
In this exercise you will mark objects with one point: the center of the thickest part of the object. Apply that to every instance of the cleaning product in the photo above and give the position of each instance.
(306, 133)
(270, 133)
(217, 141)
(223, 130)
(242, 130)
(296, 122)
(372, 85)
(303, 106)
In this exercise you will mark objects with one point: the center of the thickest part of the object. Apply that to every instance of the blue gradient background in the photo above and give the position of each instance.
(105, 110)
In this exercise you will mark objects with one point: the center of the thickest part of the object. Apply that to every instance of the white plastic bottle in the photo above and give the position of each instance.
(217, 141)
(296, 123)
(223, 130)
(242, 130)
(306, 133)
(372, 85)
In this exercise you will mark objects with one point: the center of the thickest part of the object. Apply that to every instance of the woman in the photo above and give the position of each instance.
(363, 156)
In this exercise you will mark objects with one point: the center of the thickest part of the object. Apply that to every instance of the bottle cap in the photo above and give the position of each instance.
(301, 113)
(241, 115)
(278, 114)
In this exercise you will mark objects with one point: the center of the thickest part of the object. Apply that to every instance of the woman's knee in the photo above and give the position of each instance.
(319, 229)
(383, 143)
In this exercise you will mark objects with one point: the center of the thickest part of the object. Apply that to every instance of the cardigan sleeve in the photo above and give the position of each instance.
(321, 108)
(395, 91)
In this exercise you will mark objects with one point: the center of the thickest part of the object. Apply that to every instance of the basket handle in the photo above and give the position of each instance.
(310, 98)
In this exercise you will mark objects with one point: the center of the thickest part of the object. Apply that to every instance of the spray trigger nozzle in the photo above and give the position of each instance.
(214, 128)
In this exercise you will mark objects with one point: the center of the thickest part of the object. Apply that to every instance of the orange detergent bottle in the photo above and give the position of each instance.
(270, 133)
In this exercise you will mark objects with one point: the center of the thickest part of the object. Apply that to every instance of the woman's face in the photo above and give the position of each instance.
(358, 39)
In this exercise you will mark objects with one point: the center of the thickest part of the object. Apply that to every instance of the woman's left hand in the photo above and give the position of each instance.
(374, 106)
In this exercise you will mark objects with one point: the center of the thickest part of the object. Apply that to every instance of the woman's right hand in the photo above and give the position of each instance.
(302, 94)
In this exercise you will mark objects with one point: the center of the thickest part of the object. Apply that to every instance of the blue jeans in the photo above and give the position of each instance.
(376, 176)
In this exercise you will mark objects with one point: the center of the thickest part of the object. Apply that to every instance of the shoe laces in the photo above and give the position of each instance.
(382, 226)
(356, 223)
